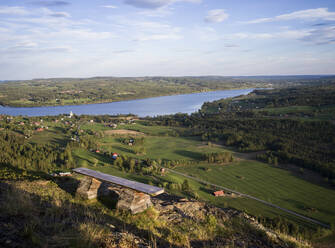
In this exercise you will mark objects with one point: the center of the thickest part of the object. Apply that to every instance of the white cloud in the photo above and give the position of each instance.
(150, 37)
(216, 15)
(138, 30)
(308, 15)
(289, 34)
(316, 36)
(151, 31)
(155, 4)
(60, 14)
(43, 31)
(206, 34)
(13, 10)
(322, 36)
(160, 12)
(109, 6)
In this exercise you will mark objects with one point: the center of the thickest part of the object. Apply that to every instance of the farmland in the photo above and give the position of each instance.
(191, 145)
(264, 181)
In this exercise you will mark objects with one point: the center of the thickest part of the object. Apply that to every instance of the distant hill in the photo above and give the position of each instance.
(74, 91)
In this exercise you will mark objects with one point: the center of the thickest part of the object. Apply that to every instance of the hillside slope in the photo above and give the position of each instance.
(41, 214)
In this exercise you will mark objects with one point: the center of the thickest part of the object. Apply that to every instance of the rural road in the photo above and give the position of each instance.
(254, 198)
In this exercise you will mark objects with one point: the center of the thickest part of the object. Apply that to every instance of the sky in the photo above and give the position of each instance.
(86, 38)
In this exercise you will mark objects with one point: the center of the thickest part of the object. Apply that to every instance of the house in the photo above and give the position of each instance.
(114, 155)
(218, 193)
(113, 125)
(65, 174)
(131, 142)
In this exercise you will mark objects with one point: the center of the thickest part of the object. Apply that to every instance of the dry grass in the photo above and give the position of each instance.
(41, 214)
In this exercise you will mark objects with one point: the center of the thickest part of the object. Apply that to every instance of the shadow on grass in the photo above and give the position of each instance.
(68, 184)
(9, 172)
(124, 149)
(190, 154)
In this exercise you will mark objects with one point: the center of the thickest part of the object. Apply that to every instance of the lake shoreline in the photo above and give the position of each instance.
(153, 106)
(111, 101)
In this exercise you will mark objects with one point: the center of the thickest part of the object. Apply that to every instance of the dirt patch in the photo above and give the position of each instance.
(123, 132)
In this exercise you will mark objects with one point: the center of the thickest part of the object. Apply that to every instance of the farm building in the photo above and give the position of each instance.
(115, 155)
(218, 193)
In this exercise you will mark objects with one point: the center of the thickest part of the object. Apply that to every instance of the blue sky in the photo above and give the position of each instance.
(85, 38)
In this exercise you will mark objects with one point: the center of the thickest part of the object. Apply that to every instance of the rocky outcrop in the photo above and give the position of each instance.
(88, 188)
(127, 199)
(133, 201)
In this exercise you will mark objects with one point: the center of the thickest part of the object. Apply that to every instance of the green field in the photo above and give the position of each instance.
(169, 148)
(250, 206)
(266, 182)
(272, 184)
(139, 126)
(261, 180)
(54, 135)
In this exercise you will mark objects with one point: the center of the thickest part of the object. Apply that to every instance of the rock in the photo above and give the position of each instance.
(134, 201)
(88, 188)
(127, 199)
(111, 226)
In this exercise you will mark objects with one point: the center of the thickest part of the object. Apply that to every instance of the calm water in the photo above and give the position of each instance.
(187, 103)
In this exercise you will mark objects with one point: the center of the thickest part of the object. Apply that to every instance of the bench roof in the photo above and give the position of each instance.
(141, 187)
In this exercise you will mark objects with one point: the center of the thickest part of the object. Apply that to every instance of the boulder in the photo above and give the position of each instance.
(127, 199)
(133, 201)
(88, 188)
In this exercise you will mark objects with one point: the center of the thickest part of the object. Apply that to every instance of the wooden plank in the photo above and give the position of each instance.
(141, 187)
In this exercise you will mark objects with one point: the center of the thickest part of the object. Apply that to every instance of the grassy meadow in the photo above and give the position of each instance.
(266, 182)
(271, 184)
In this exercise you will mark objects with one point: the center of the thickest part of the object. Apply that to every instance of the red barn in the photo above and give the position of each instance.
(218, 193)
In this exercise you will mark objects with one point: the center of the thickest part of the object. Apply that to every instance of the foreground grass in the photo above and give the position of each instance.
(44, 214)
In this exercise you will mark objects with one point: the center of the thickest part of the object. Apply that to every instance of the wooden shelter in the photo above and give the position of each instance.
(133, 196)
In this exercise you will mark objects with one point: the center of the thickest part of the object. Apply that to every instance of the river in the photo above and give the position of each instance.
(163, 105)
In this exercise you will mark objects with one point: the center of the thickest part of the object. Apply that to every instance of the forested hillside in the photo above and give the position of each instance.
(294, 125)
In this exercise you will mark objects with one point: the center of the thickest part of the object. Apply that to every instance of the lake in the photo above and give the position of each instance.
(163, 105)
